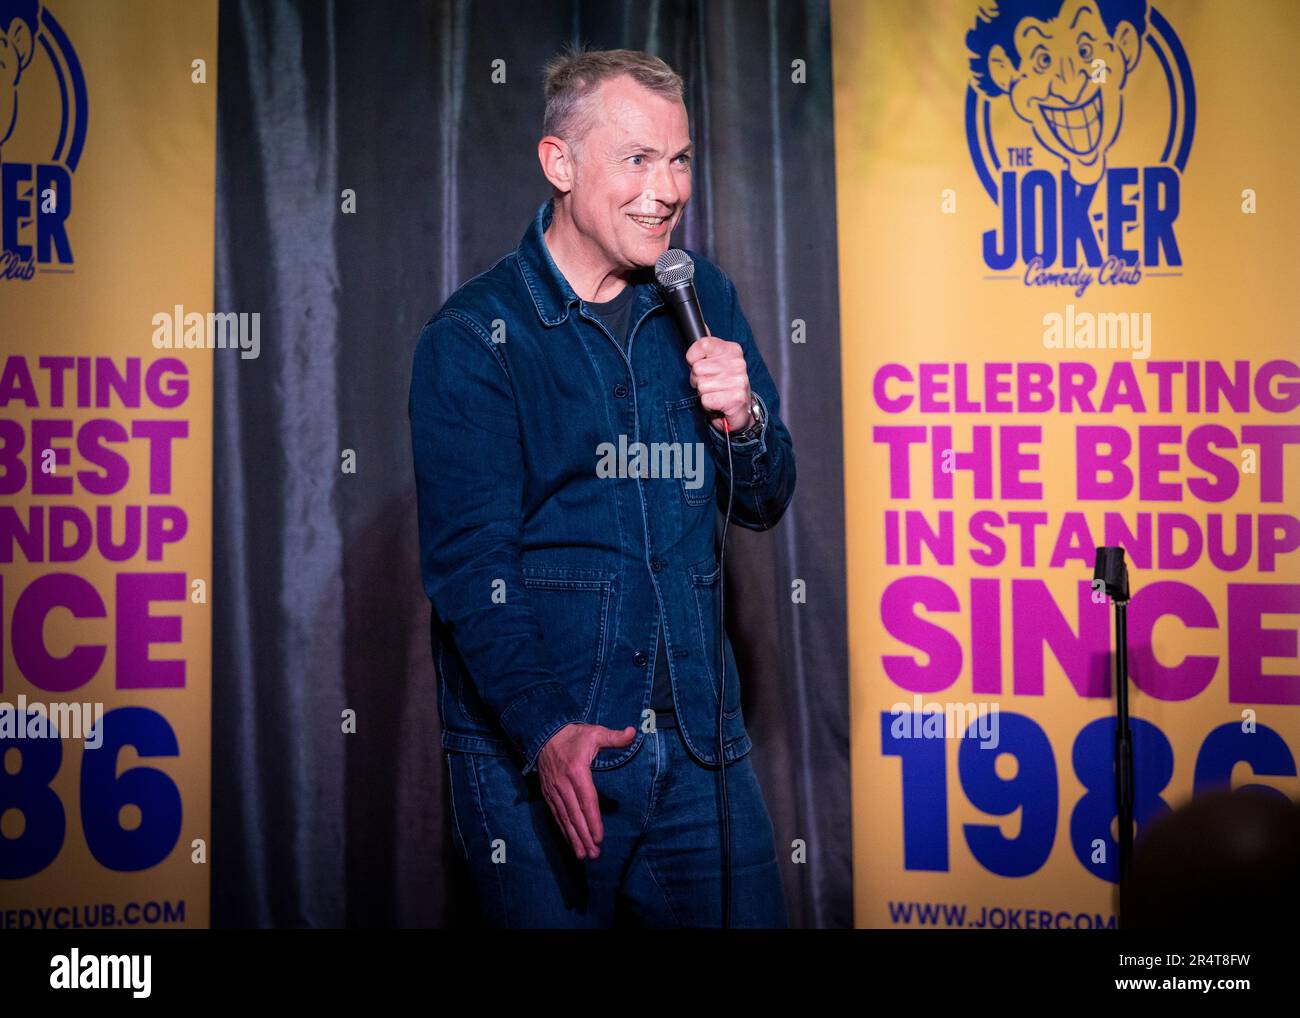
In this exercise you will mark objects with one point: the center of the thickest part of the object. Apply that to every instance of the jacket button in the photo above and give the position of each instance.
(656, 563)
(620, 390)
(640, 659)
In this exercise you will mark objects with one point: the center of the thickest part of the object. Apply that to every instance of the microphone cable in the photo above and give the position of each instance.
(674, 272)
(722, 688)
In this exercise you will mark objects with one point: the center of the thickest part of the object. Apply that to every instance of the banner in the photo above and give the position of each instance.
(1069, 296)
(107, 157)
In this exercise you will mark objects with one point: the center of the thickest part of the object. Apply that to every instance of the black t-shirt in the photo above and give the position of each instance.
(616, 314)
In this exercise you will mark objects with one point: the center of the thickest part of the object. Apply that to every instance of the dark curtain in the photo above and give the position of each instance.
(319, 610)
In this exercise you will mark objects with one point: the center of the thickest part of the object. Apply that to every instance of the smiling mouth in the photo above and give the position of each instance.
(1077, 128)
(651, 224)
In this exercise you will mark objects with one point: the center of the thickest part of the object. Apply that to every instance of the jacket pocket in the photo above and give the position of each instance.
(687, 425)
(453, 680)
(573, 608)
(454, 786)
(705, 583)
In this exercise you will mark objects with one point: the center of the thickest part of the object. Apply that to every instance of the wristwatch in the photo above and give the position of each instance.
(759, 419)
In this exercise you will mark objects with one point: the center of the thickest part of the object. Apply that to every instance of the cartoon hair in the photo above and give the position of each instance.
(998, 28)
(20, 10)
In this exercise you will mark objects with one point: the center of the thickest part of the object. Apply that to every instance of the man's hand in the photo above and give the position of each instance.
(564, 766)
(719, 375)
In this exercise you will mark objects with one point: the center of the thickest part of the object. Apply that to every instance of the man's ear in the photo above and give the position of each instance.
(557, 162)
(1000, 69)
(1129, 44)
(20, 38)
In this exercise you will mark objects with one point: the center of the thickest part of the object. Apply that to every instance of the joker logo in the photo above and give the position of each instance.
(1063, 64)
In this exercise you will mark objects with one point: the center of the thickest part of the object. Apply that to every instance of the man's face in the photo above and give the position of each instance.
(633, 174)
(1068, 84)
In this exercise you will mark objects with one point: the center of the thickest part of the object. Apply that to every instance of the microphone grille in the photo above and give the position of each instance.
(674, 267)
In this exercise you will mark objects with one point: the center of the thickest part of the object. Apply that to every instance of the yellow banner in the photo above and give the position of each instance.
(107, 161)
(1069, 296)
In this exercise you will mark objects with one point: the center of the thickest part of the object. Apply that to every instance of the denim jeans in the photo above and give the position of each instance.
(660, 863)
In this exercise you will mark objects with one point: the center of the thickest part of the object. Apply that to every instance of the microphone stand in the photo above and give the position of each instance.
(1112, 573)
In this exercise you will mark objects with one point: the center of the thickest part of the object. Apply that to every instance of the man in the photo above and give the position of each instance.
(575, 607)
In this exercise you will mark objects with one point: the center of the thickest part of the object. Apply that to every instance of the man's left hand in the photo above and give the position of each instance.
(719, 375)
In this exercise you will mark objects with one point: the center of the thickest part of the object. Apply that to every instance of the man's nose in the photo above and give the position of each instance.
(664, 185)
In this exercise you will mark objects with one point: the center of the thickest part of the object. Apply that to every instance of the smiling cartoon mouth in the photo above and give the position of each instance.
(1077, 128)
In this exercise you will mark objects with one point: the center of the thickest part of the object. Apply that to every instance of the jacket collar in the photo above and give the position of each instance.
(551, 292)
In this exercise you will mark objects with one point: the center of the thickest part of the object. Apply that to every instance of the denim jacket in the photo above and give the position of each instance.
(547, 573)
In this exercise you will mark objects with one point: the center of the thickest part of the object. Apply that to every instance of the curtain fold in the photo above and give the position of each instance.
(320, 621)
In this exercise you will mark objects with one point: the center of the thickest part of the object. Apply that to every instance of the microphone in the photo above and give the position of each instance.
(1111, 571)
(675, 273)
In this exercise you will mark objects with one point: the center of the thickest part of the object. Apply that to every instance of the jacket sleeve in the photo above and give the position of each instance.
(764, 466)
(469, 474)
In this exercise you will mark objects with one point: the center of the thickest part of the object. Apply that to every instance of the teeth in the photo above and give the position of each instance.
(649, 220)
(1078, 128)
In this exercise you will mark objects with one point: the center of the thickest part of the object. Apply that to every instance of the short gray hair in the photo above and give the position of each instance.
(573, 76)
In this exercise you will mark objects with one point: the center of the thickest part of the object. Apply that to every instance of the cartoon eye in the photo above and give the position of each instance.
(1042, 60)
(1085, 51)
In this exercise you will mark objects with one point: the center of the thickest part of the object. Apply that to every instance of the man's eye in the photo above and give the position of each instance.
(1042, 60)
(685, 159)
(1085, 50)
(636, 157)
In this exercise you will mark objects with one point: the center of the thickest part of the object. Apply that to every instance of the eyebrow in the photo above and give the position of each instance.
(651, 150)
(1034, 28)
(1079, 13)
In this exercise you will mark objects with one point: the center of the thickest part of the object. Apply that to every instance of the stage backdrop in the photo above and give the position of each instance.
(107, 164)
(427, 113)
(1070, 295)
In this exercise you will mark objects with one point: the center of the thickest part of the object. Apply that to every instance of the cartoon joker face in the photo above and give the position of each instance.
(1064, 72)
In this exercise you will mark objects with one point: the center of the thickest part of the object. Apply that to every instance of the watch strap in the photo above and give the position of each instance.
(756, 424)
